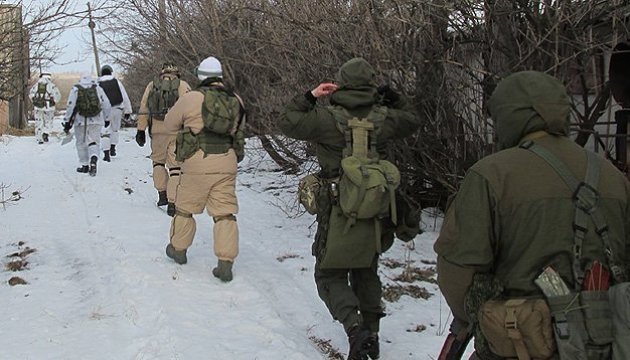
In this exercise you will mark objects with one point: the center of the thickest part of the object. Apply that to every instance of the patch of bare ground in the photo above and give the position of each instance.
(393, 293)
(18, 262)
(16, 265)
(413, 274)
(284, 257)
(326, 348)
(16, 280)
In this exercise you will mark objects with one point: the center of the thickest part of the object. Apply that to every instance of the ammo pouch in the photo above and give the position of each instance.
(518, 328)
(367, 188)
(619, 297)
(583, 325)
(308, 192)
(186, 144)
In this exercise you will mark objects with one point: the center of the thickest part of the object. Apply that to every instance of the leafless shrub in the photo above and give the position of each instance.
(446, 56)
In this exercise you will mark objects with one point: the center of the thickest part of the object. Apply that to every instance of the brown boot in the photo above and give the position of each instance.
(223, 271)
(179, 256)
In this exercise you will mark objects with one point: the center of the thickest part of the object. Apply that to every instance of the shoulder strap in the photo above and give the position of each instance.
(357, 130)
(585, 197)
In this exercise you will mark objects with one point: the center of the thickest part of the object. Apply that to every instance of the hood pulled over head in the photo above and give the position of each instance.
(526, 102)
(356, 73)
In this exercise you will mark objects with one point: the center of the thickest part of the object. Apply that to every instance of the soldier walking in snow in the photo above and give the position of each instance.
(353, 230)
(535, 248)
(209, 144)
(44, 95)
(159, 95)
(121, 106)
(87, 109)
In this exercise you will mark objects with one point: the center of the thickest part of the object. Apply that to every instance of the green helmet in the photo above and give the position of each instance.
(106, 70)
(169, 68)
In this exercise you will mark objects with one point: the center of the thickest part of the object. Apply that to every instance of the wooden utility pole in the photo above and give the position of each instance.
(92, 25)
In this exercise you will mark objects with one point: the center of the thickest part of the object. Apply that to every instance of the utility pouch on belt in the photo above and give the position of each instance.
(186, 144)
(518, 328)
(583, 325)
(619, 297)
(308, 191)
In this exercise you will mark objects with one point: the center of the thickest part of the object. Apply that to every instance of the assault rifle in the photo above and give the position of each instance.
(456, 341)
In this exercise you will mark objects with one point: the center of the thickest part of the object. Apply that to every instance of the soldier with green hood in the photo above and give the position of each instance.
(348, 241)
(543, 203)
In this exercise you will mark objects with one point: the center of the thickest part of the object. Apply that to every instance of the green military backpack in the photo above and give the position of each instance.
(163, 96)
(221, 113)
(88, 103)
(367, 183)
(41, 96)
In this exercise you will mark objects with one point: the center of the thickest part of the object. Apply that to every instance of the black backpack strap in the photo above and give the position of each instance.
(586, 198)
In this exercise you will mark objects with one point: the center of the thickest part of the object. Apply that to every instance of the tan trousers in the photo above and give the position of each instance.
(165, 169)
(207, 183)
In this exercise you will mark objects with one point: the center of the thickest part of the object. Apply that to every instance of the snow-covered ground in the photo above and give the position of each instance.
(99, 286)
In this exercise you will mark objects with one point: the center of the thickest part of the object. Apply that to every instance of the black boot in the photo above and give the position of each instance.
(45, 137)
(83, 169)
(106, 156)
(374, 352)
(179, 256)
(162, 198)
(112, 150)
(93, 161)
(170, 209)
(360, 343)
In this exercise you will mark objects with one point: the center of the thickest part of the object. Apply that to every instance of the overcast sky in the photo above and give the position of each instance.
(77, 54)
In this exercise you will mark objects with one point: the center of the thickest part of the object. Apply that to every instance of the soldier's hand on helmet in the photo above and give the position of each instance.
(141, 138)
(324, 89)
(388, 94)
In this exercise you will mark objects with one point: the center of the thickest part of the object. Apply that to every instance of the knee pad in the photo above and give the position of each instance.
(92, 144)
(224, 217)
(174, 171)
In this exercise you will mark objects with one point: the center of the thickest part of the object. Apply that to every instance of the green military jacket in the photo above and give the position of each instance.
(513, 214)
(303, 119)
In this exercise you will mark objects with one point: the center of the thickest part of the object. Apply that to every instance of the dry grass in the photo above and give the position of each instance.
(16, 280)
(412, 274)
(393, 293)
(284, 257)
(24, 253)
(28, 131)
(16, 265)
(326, 348)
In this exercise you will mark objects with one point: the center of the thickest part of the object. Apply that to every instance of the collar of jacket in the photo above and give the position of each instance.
(533, 136)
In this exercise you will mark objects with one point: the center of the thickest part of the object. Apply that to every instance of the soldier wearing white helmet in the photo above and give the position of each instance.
(44, 95)
(210, 142)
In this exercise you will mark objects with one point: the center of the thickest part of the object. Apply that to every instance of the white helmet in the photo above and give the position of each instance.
(210, 67)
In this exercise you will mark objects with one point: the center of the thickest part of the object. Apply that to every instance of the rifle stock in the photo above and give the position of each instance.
(456, 342)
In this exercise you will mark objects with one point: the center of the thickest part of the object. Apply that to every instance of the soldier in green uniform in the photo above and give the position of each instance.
(515, 214)
(347, 246)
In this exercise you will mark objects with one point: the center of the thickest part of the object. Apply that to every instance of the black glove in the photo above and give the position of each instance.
(127, 116)
(388, 95)
(67, 126)
(106, 123)
(141, 138)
